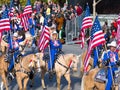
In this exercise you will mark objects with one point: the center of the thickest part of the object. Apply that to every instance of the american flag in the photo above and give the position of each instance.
(44, 38)
(118, 21)
(118, 31)
(12, 9)
(97, 38)
(5, 22)
(86, 23)
(26, 14)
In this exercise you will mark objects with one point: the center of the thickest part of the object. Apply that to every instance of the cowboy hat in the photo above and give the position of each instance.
(54, 32)
(15, 34)
(113, 43)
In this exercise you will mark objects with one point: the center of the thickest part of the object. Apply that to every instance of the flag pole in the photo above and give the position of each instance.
(50, 59)
(12, 48)
(97, 53)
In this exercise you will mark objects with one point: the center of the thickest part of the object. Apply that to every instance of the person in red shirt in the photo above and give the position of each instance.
(113, 34)
(115, 24)
(79, 10)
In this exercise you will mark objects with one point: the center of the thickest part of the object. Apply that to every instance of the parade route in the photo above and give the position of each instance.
(51, 85)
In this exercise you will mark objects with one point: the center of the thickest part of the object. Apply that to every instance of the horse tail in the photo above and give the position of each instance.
(82, 83)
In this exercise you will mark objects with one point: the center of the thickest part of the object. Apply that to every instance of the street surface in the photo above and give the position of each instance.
(51, 85)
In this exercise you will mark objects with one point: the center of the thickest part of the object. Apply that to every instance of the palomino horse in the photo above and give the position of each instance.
(24, 68)
(82, 63)
(3, 70)
(62, 68)
(3, 64)
(89, 83)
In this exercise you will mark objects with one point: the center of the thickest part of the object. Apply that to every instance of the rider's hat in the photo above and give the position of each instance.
(113, 44)
(15, 34)
(54, 32)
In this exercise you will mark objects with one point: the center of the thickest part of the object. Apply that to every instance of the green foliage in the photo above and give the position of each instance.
(23, 2)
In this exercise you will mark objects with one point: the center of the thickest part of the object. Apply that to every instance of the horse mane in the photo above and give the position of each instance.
(3, 46)
(66, 57)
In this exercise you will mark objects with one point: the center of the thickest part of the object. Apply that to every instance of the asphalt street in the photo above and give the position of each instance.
(51, 85)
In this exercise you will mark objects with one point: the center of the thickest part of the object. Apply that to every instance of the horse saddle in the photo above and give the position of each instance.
(117, 77)
(101, 76)
(9, 56)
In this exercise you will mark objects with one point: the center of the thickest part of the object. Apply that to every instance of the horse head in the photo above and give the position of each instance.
(4, 44)
(74, 62)
(38, 60)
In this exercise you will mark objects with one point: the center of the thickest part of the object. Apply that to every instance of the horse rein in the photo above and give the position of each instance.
(67, 68)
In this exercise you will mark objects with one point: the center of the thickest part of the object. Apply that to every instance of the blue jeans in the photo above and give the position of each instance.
(109, 83)
(14, 57)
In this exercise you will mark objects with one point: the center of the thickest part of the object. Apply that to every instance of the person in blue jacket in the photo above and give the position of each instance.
(111, 58)
(55, 46)
(14, 48)
(32, 25)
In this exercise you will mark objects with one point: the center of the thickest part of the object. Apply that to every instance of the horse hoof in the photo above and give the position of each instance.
(44, 88)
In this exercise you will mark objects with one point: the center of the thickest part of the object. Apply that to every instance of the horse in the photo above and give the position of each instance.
(89, 83)
(24, 70)
(3, 70)
(3, 64)
(61, 67)
(90, 65)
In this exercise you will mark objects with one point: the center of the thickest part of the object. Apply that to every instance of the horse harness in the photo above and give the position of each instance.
(29, 73)
(67, 67)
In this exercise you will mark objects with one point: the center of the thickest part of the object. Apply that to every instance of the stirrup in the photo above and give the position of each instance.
(10, 76)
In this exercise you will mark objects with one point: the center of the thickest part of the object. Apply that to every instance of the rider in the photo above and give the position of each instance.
(14, 49)
(111, 58)
(55, 46)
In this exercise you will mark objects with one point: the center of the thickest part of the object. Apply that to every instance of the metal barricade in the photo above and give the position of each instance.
(73, 30)
(73, 26)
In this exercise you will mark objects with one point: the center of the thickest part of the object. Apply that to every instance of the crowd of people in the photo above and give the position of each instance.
(55, 16)
(50, 14)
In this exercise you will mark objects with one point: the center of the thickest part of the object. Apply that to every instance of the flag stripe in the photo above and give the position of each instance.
(44, 38)
(26, 15)
(97, 38)
(86, 23)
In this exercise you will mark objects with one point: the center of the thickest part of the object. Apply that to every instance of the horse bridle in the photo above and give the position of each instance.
(67, 68)
(23, 70)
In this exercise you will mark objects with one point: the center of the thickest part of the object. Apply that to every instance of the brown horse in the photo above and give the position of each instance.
(23, 69)
(89, 83)
(3, 63)
(82, 63)
(3, 70)
(62, 68)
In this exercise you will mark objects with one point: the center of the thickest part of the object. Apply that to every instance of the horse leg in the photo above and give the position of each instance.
(19, 81)
(58, 80)
(4, 80)
(67, 77)
(1, 86)
(25, 82)
(42, 79)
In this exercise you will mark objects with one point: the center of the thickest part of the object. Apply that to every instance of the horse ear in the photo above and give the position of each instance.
(74, 55)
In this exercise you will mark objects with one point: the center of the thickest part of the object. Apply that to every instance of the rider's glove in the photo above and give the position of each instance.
(118, 62)
(106, 62)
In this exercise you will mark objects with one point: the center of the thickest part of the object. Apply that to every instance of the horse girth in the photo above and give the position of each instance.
(23, 71)
(67, 68)
(30, 75)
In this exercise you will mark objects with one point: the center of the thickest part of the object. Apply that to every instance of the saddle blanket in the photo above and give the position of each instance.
(101, 76)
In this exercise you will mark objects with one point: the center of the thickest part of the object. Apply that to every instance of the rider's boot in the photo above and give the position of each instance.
(50, 74)
(10, 76)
